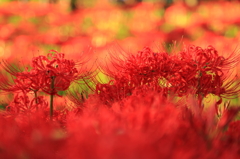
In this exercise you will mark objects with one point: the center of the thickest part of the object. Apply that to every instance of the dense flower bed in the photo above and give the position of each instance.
(153, 106)
(98, 99)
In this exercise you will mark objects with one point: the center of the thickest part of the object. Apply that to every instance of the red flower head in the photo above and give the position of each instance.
(55, 68)
(23, 104)
(146, 68)
(204, 71)
(46, 69)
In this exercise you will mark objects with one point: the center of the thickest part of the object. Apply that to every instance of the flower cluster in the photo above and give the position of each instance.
(22, 103)
(140, 112)
(45, 69)
(49, 74)
(195, 71)
(54, 68)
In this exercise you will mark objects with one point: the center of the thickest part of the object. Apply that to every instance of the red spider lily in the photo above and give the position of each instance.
(146, 68)
(45, 70)
(22, 104)
(55, 67)
(194, 70)
(117, 90)
(57, 73)
(50, 74)
(23, 82)
(113, 91)
(142, 67)
(204, 71)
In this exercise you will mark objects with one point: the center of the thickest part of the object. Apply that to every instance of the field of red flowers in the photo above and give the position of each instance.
(119, 81)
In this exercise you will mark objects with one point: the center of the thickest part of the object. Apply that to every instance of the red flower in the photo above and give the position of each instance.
(146, 68)
(203, 70)
(46, 69)
(54, 67)
(23, 104)
(193, 71)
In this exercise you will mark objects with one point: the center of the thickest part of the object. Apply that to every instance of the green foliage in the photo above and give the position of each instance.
(14, 19)
(232, 31)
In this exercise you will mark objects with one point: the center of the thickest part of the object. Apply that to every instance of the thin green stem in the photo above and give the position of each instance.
(36, 99)
(51, 97)
(200, 94)
(35, 96)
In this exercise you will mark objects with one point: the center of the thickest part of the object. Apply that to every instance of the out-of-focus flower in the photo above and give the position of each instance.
(23, 104)
(205, 71)
(55, 68)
